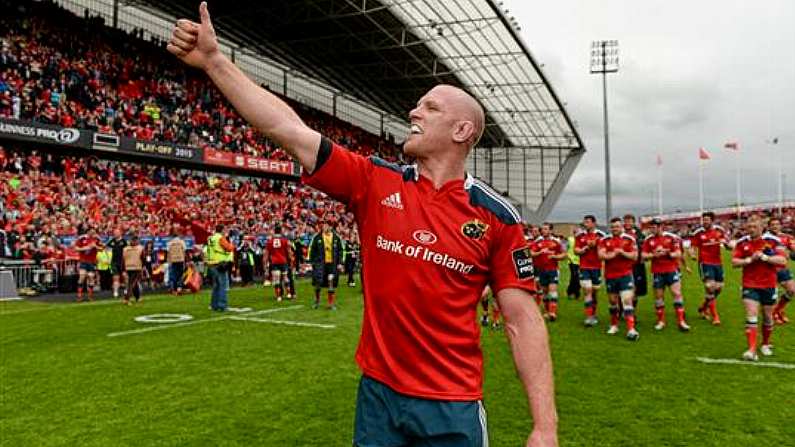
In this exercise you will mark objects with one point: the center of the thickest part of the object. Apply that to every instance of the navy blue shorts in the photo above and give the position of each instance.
(593, 275)
(87, 267)
(548, 277)
(711, 272)
(663, 280)
(783, 275)
(765, 297)
(618, 285)
(387, 418)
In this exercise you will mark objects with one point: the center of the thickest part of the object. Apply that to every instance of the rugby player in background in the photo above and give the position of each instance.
(87, 246)
(586, 246)
(664, 250)
(619, 253)
(277, 253)
(759, 254)
(708, 240)
(547, 251)
(783, 273)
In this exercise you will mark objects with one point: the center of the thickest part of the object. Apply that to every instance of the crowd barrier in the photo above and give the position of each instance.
(46, 276)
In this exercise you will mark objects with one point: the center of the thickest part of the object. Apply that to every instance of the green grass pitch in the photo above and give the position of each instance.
(229, 382)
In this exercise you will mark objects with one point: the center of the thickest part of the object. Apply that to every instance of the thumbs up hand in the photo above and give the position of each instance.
(195, 43)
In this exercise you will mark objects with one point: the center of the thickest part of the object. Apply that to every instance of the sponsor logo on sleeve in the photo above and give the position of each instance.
(523, 263)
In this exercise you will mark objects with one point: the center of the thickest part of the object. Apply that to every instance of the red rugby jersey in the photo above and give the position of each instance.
(788, 242)
(589, 259)
(88, 256)
(542, 262)
(668, 241)
(278, 247)
(758, 274)
(426, 256)
(620, 265)
(708, 242)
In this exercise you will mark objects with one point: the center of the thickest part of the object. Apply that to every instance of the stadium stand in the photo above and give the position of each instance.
(57, 68)
(48, 198)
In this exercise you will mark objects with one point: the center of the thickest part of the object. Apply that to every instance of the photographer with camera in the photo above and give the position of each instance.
(219, 262)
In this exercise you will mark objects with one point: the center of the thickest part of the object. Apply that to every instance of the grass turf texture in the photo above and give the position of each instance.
(239, 383)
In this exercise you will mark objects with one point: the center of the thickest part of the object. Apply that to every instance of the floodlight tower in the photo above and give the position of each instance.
(604, 60)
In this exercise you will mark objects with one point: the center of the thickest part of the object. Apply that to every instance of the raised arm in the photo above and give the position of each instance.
(527, 336)
(196, 45)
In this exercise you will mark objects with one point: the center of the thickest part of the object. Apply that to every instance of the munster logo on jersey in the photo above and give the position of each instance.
(474, 229)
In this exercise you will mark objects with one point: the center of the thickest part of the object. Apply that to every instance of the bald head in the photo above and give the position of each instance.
(446, 117)
(465, 107)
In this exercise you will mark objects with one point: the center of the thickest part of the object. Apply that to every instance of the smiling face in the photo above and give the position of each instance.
(616, 228)
(444, 118)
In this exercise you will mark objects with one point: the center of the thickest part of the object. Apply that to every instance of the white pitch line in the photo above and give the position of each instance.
(189, 323)
(745, 362)
(285, 322)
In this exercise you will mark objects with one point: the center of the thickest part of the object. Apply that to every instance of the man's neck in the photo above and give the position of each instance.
(441, 170)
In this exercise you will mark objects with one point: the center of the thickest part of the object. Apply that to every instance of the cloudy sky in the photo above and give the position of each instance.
(693, 73)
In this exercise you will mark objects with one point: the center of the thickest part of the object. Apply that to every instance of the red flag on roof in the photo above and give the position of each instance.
(703, 154)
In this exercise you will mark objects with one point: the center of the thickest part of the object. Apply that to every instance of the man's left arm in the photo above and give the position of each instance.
(527, 336)
(511, 281)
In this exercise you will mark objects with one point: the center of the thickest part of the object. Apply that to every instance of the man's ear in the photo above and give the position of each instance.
(464, 131)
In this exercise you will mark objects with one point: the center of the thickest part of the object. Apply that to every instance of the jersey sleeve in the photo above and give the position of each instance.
(646, 248)
(511, 264)
(738, 251)
(340, 173)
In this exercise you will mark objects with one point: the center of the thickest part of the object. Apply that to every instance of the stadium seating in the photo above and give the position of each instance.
(58, 68)
(50, 196)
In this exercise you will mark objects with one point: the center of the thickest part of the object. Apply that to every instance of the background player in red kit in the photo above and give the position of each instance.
(585, 245)
(277, 252)
(534, 233)
(664, 250)
(783, 273)
(759, 254)
(432, 239)
(707, 240)
(619, 253)
(87, 246)
(547, 251)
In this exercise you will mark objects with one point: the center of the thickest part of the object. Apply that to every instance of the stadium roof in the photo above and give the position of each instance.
(388, 53)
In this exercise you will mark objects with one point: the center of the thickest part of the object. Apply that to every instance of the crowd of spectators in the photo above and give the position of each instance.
(47, 198)
(59, 68)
